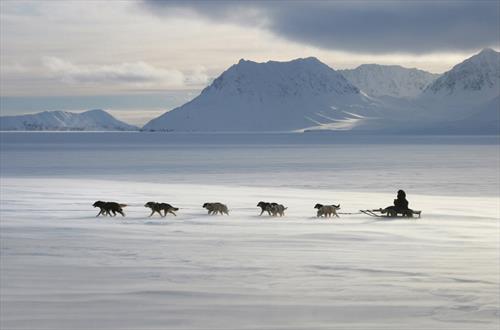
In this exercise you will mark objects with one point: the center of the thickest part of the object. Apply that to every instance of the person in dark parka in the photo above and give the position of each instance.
(400, 205)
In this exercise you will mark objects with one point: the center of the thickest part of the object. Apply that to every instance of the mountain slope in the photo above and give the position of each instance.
(92, 120)
(485, 120)
(389, 80)
(479, 73)
(467, 89)
(464, 100)
(271, 96)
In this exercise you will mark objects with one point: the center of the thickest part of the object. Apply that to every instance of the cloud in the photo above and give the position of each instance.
(415, 27)
(136, 73)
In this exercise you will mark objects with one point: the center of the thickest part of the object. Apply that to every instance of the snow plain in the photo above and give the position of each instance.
(62, 268)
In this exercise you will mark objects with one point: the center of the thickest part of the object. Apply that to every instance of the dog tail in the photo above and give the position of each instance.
(175, 208)
(123, 205)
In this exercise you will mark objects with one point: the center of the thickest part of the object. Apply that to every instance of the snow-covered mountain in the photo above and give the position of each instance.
(305, 94)
(92, 120)
(478, 75)
(272, 96)
(389, 80)
(469, 89)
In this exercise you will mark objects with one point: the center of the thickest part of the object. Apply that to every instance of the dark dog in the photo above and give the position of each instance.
(108, 207)
(273, 209)
(214, 208)
(100, 204)
(278, 209)
(158, 207)
(266, 207)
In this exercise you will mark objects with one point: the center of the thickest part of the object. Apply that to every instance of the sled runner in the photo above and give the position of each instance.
(391, 213)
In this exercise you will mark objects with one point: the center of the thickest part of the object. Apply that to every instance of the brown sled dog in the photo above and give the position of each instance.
(327, 210)
(108, 207)
(158, 207)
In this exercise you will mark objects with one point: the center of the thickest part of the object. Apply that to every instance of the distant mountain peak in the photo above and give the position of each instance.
(296, 77)
(487, 51)
(389, 80)
(309, 59)
(485, 55)
(98, 111)
(480, 72)
(92, 120)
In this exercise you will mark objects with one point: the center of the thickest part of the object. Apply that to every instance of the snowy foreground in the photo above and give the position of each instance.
(62, 268)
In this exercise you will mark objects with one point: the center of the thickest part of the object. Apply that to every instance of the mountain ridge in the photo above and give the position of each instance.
(91, 120)
(270, 96)
(479, 72)
(389, 80)
(306, 94)
(465, 89)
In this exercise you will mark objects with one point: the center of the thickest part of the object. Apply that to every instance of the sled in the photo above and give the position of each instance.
(382, 213)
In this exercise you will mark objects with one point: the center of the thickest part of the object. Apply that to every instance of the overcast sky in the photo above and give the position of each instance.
(144, 57)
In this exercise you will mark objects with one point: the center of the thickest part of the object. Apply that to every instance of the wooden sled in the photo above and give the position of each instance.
(382, 213)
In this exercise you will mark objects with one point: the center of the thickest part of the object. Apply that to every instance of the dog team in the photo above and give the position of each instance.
(272, 209)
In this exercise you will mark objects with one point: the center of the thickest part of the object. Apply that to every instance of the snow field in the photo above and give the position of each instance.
(62, 268)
